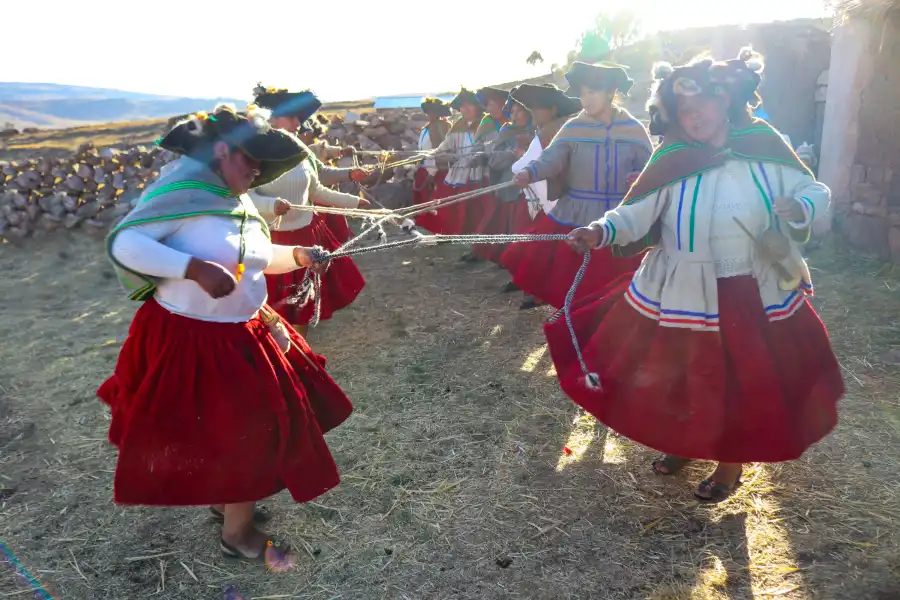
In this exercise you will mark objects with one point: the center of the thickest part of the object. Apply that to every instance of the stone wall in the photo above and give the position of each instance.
(94, 188)
(864, 165)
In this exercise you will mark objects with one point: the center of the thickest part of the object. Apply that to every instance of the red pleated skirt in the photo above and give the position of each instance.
(480, 211)
(425, 193)
(546, 270)
(338, 226)
(211, 413)
(506, 218)
(341, 283)
(755, 391)
(451, 220)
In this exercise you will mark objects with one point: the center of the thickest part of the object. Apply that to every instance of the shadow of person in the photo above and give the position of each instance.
(624, 532)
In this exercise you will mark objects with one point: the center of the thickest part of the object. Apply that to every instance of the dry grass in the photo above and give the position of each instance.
(67, 140)
(454, 480)
(121, 134)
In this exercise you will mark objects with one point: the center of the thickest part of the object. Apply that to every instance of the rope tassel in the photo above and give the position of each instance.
(591, 380)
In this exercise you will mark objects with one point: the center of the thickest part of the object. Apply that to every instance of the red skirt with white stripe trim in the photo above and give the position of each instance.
(757, 389)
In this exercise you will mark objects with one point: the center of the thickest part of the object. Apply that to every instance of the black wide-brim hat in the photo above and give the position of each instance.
(465, 96)
(276, 150)
(283, 103)
(511, 99)
(486, 93)
(436, 107)
(598, 77)
(546, 96)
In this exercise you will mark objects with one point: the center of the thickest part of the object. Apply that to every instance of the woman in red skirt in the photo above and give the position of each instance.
(310, 131)
(482, 210)
(550, 109)
(464, 173)
(711, 351)
(511, 214)
(590, 159)
(428, 176)
(342, 282)
(214, 400)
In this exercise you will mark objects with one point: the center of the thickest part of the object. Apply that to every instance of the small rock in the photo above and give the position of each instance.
(504, 562)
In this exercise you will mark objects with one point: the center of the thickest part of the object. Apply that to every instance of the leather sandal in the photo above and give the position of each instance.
(669, 464)
(715, 491)
(272, 544)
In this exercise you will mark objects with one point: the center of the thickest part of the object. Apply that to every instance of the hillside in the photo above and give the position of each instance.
(50, 105)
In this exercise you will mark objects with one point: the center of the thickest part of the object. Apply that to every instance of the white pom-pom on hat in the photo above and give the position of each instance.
(195, 125)
(662, 69)
(258, 117)
(753, 59)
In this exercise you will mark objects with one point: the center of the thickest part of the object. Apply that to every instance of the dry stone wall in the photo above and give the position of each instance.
(94, 188)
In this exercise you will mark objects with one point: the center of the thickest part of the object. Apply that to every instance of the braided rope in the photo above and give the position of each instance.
(359, 213)
(320, 255)
(591, 379)
(310, 287)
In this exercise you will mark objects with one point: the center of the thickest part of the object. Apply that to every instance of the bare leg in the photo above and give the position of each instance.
(727, 473)
(302, 329)
(238, 530)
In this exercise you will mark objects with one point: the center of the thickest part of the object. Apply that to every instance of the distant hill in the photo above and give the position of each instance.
(50, 105)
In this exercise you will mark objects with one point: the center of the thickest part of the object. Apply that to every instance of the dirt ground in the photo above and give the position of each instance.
(455, 483)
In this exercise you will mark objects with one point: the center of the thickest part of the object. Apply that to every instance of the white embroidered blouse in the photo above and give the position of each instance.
(701, 242)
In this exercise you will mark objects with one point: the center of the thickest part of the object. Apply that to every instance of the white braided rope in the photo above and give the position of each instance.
(320, 255)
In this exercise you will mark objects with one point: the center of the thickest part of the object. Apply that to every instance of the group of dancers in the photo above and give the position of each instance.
(692, 317)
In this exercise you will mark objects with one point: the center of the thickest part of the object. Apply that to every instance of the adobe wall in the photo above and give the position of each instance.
(863, 162)
(796, 53)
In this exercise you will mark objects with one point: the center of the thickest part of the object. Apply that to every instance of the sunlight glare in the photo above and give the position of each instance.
(583, 432)
(532, 360)
(613, 453)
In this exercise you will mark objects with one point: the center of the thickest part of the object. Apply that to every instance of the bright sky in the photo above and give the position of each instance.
(343, 50)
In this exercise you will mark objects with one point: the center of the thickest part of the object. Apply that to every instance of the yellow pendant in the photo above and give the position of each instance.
(240, 271)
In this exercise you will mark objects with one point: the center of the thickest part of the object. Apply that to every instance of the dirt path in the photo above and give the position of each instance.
(455, 484)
